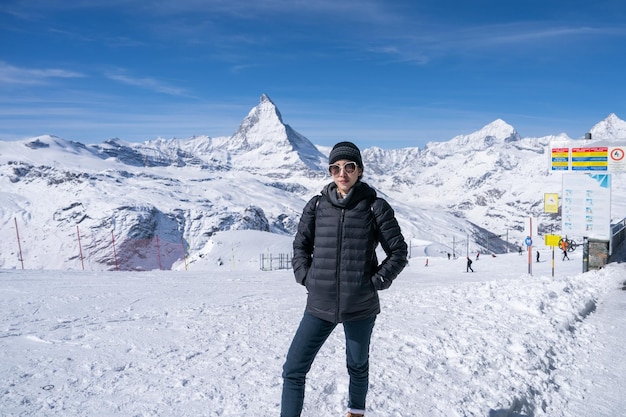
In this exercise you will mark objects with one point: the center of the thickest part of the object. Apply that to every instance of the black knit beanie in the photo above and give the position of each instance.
(345, 150)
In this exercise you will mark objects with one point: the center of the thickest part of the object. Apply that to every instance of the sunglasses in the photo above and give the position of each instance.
(348, 167)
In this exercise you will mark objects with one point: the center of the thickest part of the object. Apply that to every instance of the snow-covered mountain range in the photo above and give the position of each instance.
(157, 204)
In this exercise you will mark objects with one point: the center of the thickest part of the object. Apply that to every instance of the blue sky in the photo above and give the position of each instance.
(381, 73)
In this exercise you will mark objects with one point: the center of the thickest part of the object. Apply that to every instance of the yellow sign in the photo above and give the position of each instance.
(552, 240)
(551, 203)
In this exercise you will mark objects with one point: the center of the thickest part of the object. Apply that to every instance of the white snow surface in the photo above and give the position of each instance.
(499, 342)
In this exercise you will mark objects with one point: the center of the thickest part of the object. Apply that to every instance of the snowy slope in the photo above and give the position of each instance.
(142, 206)
(497, 342)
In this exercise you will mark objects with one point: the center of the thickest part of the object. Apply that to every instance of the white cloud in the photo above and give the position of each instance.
(10, 74)
(148, 84)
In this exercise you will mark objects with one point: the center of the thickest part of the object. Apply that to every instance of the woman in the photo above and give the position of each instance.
(334, 256)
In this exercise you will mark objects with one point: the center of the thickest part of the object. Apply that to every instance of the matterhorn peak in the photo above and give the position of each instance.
(264, 132)
(264, 122)
(267, 105)
(610, 128)
(265, 98)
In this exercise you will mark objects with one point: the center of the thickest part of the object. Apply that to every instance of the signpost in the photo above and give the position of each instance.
(590, 158)
(587, 205)
(560, 159)
(552, 240)
(529, 245)
(586, 166)
(617, 162)
(550, 202)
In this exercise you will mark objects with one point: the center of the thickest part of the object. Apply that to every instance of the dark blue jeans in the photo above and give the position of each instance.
(309, 338)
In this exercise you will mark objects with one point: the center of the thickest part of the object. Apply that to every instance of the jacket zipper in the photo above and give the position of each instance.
(338, 268)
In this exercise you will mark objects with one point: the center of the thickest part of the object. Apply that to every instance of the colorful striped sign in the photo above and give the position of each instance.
(560, 159)
(590, 159)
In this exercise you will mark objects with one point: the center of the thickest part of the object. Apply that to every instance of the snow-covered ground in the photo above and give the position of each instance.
(493, 343)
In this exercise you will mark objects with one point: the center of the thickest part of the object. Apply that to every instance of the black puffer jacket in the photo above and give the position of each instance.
(334, 252)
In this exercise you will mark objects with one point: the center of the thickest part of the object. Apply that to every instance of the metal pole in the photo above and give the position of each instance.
(453, 247)
(19, 245)
(182, 243)
(114, 251)
(585, 254)
(158, 252)
(507, 240)
(80, 248)
(530, 249)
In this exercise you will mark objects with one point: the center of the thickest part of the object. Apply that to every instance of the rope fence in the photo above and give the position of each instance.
(87, 250)
(130, 255)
